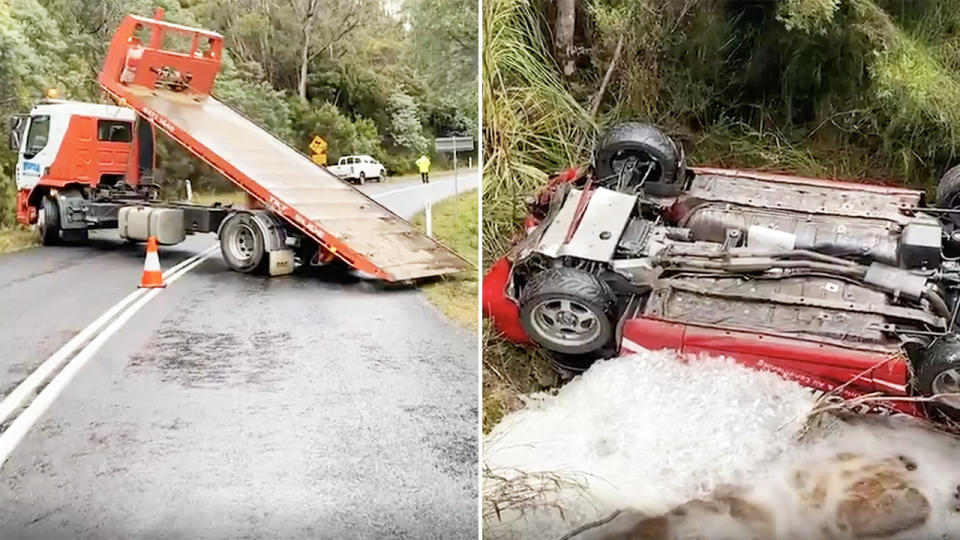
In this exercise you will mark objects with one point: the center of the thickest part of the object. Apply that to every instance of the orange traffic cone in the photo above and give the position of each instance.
(152, 275)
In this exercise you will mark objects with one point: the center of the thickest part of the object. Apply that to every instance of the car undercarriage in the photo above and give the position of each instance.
(853, 267)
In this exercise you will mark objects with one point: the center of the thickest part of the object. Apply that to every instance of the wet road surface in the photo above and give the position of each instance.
(234, 406)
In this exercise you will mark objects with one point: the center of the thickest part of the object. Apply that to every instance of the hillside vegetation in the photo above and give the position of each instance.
(370, 76)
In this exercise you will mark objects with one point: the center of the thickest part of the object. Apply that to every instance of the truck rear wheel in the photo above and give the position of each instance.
(242, 244)
(48, 221)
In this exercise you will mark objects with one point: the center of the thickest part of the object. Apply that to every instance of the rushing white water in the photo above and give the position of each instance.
(648, 432)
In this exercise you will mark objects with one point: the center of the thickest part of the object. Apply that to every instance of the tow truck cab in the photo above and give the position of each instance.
(73, 146)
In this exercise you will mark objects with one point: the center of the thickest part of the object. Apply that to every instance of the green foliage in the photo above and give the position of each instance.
(264, 105)
(405, 129)
(853, 88)
(811, 16)
(345, 136)
(440, 30)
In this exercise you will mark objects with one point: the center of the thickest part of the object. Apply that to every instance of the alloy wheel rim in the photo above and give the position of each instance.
(565, 321)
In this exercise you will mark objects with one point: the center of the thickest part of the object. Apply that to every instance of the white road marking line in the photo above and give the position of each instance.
(441, 182)
(377, 195)
(15, 399)
(25, 389)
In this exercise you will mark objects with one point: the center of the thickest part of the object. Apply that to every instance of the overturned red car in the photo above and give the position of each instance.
(843, 287)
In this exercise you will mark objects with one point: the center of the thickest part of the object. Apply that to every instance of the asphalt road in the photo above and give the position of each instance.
(235, 406)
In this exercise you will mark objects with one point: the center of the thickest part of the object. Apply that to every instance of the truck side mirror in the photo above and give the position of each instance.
(16, 123)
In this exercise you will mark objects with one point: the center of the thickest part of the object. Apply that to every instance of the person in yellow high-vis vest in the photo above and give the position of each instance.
(424, 165)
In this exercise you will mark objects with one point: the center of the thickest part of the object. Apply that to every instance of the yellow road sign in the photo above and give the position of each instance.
(318, 145)
(319, 159)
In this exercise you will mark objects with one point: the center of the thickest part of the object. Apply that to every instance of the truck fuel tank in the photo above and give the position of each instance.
(141, 222)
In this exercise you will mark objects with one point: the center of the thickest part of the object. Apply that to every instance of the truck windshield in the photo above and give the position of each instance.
(37, 135)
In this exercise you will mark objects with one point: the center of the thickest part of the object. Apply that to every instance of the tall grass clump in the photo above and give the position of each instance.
(532, 126)
(531, 123)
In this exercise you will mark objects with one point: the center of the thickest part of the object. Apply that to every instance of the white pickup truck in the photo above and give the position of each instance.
(359, 169)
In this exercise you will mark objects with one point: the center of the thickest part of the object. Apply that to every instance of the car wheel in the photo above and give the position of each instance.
(48, 221)
(242, 244)
(361, 179)
(948, 188)
(939, 373)
(567, 311)
(629, 148)
(948, 196)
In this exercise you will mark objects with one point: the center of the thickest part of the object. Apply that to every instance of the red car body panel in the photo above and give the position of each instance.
(820, 366)
(504, 312)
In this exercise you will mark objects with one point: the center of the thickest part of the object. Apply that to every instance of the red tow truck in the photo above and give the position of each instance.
(84, 166)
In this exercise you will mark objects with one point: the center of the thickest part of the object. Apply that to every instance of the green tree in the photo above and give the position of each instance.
(406, 131)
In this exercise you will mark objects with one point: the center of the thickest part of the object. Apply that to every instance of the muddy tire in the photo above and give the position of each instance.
(948, 188)
(567, 311)
(48, 221)
(242, 244)
(630, 146)
(948, 196)
(939, 373)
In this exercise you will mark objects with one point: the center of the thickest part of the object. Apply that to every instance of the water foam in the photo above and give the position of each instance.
(650, 431)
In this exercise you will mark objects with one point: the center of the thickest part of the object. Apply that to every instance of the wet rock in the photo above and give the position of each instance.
(723, 517)
(846, 496)
(881, 500)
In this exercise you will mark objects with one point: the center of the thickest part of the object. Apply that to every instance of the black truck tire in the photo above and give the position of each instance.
(641, 142)
(49, 221)
(938, 372)
(567, 311)
(242, 244)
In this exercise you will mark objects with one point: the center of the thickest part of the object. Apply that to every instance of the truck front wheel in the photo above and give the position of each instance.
(242, 244)
(48, 221)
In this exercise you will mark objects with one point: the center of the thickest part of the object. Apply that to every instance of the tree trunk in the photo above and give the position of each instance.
(304, 60)
(310, 9)
(563, 32)
(595, 106)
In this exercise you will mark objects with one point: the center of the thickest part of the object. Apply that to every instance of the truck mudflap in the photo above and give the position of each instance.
(171, 90)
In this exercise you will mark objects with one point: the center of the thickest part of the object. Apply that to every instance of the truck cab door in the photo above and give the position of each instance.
(37, 152)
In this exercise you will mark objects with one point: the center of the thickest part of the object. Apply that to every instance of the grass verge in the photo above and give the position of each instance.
(237, 198)
(456, 296)
(16, 238)
(510, 371)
